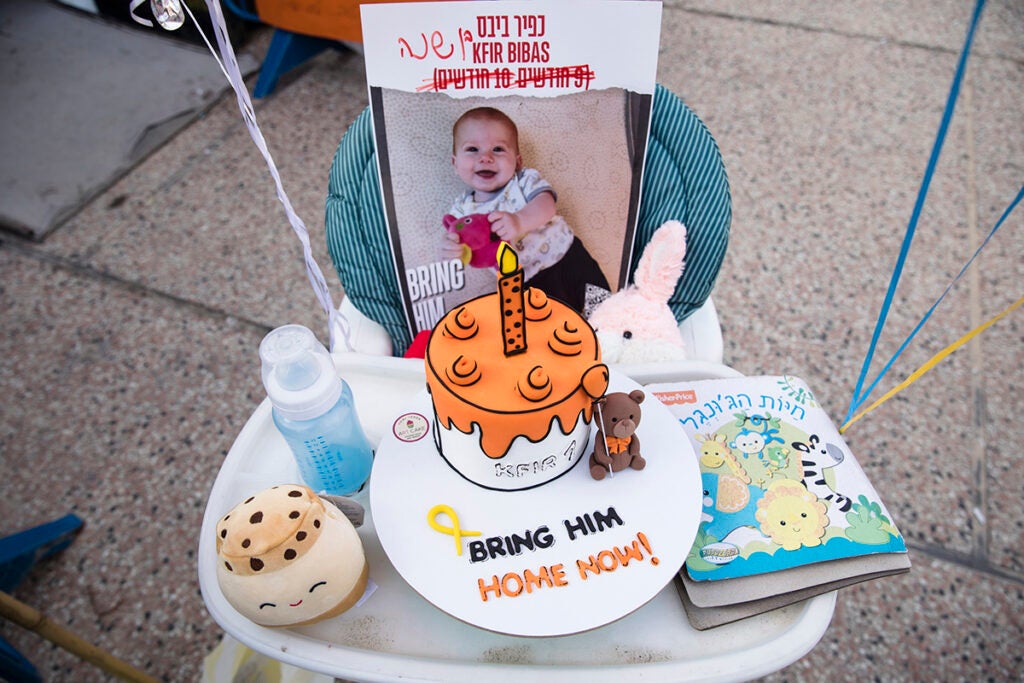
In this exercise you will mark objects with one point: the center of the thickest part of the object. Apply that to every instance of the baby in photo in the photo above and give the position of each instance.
(520, 206)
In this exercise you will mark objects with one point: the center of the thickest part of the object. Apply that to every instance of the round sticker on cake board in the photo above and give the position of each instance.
(565, 557)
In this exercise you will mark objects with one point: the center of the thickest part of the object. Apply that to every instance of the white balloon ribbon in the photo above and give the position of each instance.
(229, 66)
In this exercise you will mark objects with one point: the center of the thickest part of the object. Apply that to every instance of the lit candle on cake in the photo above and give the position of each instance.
(510, 294)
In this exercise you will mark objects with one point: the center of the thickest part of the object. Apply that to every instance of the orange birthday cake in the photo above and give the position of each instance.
(513, 377)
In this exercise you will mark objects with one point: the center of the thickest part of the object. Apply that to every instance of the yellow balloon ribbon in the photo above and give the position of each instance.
(455, 530)
(932, 362)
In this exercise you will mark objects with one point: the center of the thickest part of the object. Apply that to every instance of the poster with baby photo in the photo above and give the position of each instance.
(523, 122)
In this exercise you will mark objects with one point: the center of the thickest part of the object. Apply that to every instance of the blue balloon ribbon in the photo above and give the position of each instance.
(885, 369)
(947, 116)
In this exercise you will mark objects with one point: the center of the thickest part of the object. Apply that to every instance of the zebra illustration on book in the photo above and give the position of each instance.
(816, 457)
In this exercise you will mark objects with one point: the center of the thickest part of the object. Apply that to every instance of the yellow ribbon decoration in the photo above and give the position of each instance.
(455, 531)
(932, 362)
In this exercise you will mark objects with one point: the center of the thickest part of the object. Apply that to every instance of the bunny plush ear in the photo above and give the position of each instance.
(662, 262)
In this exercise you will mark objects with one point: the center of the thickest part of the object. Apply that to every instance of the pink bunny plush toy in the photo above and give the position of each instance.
(479, 244)
(636, 325)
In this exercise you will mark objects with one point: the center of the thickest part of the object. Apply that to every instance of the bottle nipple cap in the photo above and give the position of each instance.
(298, 373)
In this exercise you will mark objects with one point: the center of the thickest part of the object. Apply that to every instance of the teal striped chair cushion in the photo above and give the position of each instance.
(684, 179)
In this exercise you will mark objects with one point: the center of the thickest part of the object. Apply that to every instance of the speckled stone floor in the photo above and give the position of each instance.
(128, 346)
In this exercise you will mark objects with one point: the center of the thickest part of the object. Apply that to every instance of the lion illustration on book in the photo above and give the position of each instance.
(791, 515)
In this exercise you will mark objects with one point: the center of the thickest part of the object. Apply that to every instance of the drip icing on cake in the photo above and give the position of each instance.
(529, 377)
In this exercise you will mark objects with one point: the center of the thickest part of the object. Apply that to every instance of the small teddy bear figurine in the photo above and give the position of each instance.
(616, 445)
(636, 324)
(479, 244)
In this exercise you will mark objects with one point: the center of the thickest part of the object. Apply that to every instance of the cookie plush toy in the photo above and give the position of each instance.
(479, 244)
(616, 445)
(286, 557)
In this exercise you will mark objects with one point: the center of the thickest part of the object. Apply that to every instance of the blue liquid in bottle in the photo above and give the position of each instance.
(314, 410)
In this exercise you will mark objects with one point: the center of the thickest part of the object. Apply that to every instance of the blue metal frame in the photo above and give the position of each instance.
(20, 552)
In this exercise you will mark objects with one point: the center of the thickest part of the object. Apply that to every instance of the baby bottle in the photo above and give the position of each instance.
(314, 411)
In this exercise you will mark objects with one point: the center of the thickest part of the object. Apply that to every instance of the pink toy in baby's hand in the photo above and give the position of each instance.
(479, 244)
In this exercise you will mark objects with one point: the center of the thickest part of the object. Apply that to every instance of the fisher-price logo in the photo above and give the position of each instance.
(676, 398)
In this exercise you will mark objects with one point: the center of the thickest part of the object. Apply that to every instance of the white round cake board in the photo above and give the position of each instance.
(633, 529)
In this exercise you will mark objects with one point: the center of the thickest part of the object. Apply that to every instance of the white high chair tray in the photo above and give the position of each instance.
(397, 634)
